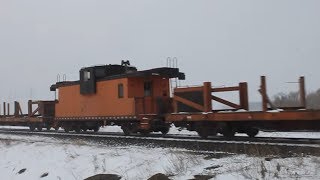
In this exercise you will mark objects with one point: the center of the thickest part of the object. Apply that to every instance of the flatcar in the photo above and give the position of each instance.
(194, 110)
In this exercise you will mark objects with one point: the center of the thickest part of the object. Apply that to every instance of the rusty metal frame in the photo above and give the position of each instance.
(243, 96)
(31, 112)
(17, 109)
(8, 109)
(188, 89)
(187, 102)
(302, 90)
(18, 118)
(266, 100)
(225, 102)
(205, 107)
(264, 115)
(4, 108)
(208, 97)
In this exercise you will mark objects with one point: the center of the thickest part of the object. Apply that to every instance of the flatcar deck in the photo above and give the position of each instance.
(303, 115)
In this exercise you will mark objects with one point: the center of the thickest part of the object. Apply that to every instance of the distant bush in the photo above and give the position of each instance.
(313, 100)
(292, 99)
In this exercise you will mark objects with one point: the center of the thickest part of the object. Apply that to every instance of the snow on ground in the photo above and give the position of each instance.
(68, 159)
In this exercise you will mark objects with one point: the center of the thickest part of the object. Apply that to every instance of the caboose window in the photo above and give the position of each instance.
(120, 91)
(87, 75)
(148, 89)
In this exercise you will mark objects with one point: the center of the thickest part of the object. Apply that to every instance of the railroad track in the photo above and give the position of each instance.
(283, 147)
(280, 140)
(300, 141)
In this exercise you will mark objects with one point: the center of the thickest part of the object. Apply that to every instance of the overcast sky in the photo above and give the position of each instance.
(222, 41)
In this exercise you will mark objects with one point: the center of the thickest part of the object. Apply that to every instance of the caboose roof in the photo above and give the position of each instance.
(165, 72)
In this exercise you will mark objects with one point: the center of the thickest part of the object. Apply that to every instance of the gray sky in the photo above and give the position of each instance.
(222, 41)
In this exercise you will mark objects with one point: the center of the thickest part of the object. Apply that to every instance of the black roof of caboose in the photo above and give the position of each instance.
(110, 72)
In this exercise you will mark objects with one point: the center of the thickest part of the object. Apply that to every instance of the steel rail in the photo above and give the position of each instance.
(196, 145)
(280, 140)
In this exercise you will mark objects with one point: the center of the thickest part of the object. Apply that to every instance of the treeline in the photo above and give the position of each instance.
(292, 99)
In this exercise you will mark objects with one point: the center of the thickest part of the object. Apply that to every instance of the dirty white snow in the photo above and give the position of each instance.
(67, 159)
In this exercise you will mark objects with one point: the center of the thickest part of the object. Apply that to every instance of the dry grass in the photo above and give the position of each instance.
(79, 142)
(293, 168)
(180, 163)
(6, 142)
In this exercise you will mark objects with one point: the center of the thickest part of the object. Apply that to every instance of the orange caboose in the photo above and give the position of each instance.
(115, 95)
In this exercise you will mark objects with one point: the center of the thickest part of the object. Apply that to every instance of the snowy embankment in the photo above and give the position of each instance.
(35, 157)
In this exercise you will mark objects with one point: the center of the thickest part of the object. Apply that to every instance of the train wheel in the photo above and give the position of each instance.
(206, 129)
(145, 132)
(252, 132)
(67, 129)
(128, 129)
(228, 132)
(56, 128)
(96, 129)
(77, 129)
(165, 130)
(85, 129)
(31, 127)
(48, 128)
(203, 133)
(39, 128)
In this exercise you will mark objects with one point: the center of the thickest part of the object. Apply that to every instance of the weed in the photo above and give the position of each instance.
(179, 163)
(278, 167)
(263, 170)
(95, 163)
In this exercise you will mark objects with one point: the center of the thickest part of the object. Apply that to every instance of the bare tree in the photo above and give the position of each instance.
(313, 100)
(292, 99)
